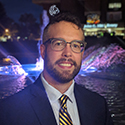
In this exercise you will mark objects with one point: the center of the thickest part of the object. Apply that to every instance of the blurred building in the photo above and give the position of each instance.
(99, 16)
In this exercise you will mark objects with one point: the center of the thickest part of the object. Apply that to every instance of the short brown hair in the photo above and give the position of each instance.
(64, 16)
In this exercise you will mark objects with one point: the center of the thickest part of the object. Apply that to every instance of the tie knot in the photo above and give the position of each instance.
(63, 99)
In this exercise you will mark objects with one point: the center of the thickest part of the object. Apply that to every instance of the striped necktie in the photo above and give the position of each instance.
(64, 117)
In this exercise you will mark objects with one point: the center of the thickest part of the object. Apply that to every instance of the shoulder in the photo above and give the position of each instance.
(92, 104)
(87, 94)
(90, 99)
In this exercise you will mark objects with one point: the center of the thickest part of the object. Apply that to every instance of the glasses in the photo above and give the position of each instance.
(58, 44)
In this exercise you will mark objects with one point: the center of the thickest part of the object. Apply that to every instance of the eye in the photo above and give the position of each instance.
(57, 43)
(76, 45)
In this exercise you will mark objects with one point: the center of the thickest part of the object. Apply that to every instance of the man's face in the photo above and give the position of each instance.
(62, 66)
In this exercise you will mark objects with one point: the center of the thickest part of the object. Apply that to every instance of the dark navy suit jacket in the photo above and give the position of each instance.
(32, 107)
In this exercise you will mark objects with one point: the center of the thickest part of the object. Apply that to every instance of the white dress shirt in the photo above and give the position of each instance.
(53, 95)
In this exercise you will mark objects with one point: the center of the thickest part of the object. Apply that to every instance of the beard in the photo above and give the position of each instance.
(61, 76)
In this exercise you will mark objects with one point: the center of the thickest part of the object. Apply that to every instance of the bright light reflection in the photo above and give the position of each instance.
(12, 70)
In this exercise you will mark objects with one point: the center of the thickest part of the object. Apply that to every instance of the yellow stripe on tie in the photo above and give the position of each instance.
(64, 117)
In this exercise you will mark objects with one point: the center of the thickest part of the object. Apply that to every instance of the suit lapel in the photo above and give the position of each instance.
(81, 104)
(41, 104)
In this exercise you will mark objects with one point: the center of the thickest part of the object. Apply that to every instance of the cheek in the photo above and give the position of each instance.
(78, 59)
(53, 56)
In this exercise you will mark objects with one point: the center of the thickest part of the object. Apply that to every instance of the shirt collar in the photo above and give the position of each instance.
(53, 94)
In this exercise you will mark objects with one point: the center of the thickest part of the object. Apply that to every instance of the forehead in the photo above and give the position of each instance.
(65, 30)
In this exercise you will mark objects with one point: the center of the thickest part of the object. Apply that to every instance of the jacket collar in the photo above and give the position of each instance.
(41, 104)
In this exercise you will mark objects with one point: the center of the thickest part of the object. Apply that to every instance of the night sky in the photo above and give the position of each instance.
(14, 8)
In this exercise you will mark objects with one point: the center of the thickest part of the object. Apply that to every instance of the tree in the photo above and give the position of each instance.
(29, 27)
(2, 17)
(7, 23)
(27, 19)
(2, 12)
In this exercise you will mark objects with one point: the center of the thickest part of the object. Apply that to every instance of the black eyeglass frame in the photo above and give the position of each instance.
(81, 42)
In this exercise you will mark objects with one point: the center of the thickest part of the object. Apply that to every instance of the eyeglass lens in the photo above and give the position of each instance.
(58, 45)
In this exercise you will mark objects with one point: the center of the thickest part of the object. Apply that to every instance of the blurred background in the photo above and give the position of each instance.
(103, 64)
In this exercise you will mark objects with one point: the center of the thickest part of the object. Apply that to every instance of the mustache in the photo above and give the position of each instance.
(68, 60)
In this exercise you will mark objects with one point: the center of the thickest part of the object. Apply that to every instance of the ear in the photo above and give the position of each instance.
(42, 51)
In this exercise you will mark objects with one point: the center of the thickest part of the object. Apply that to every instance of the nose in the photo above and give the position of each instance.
(67, 52)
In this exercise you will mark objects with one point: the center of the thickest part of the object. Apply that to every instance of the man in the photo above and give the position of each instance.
(55, 98)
